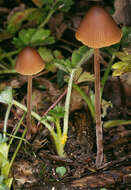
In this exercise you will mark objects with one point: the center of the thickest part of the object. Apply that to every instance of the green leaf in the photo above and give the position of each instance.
(3, 187)
(5, 183)
(38, 3)
(77, 74)
(64, 5)
(61, 64)
(33, 37)
(33, 14)
(6, 95)
(86, 76)
(57, 112)
(124, 65)
(58, 54)
(3, 162)
(2, 139)
(61, 171)
(60, 78)
(83, 77)
(4, 148)
(37, 15)
(126, 38)
(76, 57)
(80, 56)
(16, 20)
(120, 65)
(23, 39)
(50, 67)
(1, 179)
(8, 182)
(48, 41)
(48, 57)
(48, 118)
(5, 169)
(25, 36)
(121, 68)
(124, 56)
(39, 35)
(46, 54)
(115, 123)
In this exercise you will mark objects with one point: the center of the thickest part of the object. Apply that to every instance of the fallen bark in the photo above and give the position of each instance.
(106, 179)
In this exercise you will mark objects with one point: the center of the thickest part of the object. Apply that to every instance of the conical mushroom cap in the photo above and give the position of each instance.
(98, 29)
(29, 62)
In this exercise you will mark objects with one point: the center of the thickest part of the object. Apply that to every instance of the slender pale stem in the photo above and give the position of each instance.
(29, 94)
(58, 128)
(6, 119)
(99, 133)
(67, 102)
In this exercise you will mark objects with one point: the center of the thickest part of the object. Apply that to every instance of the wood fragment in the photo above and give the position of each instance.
(106, 179)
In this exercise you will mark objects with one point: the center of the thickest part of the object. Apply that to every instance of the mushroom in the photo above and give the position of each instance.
(29, 63)
(97, 30)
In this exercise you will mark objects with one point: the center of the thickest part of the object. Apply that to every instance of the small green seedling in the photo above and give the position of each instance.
(55, 116)
(61, 171)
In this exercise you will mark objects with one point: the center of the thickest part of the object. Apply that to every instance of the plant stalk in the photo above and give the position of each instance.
(60, 149)
(49, 15)
(106, 74)
(16, 130)
(8, 71)
(99, 133)
(29, 98)
(86, 99)
(6, 119)
(67, 102)
(47, 18)
(9, 54)
(18, 147)
(36, 116)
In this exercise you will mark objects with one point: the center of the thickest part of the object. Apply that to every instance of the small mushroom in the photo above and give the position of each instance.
(29, 63)
(97, 30)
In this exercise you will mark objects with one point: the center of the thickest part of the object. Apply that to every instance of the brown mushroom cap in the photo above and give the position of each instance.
(98, 29)
(29, 62)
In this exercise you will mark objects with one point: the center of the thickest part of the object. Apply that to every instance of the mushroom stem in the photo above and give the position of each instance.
(99, 134)
(28, 117)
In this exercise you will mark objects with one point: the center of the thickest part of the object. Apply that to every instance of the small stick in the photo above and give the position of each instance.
(53, 105)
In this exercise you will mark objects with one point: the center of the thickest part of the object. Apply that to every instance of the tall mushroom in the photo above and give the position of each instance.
(97, 30)
(29, 63)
